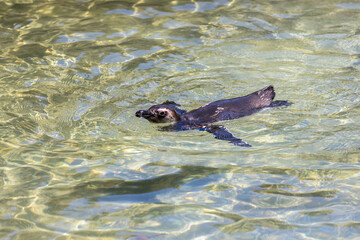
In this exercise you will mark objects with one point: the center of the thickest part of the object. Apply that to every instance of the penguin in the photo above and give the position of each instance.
(203, 117)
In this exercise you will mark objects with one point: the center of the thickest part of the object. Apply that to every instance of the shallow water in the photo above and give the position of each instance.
(76, 163)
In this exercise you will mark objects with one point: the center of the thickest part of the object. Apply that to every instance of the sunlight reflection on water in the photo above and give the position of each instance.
(75, 162)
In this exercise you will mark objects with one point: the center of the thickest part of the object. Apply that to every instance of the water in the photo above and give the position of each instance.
(76, 163)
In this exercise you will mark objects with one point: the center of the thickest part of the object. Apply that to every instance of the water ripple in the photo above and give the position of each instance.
(76, 162)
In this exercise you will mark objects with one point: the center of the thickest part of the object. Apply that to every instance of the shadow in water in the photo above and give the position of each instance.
(58, 198)
(107, 187)
(62, 195)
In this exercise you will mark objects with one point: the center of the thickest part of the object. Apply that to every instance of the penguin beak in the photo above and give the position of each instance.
(144, 113)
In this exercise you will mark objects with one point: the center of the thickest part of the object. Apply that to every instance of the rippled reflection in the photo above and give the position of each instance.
(75, 162)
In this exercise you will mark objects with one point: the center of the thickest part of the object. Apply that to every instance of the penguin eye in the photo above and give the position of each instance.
(162, 113)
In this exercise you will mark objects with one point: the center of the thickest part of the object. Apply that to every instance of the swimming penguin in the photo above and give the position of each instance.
(201, 118)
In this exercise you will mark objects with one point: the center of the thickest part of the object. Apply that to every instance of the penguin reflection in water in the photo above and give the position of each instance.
(203, 117)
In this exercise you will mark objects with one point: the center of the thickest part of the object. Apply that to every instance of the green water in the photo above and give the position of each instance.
(75, 163)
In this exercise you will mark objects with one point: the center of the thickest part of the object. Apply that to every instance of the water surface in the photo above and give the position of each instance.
(76, 163)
